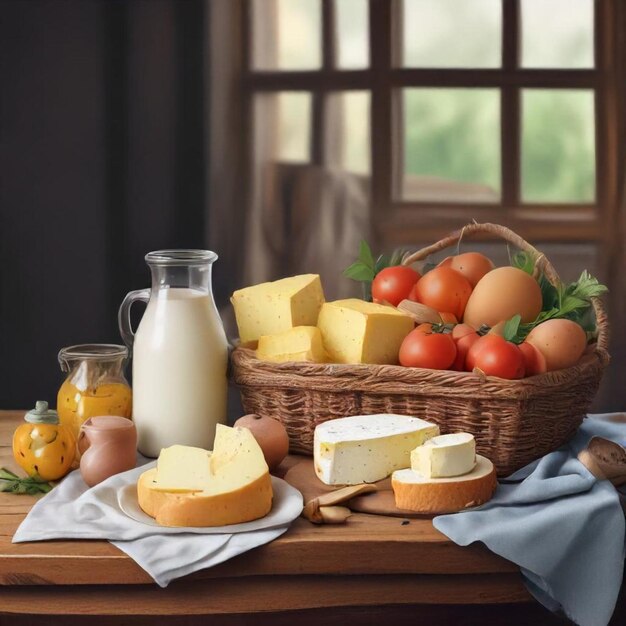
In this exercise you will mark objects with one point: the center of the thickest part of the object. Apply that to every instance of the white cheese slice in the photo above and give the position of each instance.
(445, 456)
(366, 448)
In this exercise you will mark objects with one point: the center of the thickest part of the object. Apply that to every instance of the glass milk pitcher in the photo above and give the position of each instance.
(179, 352)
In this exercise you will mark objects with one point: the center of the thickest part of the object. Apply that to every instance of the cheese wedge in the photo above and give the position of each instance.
(271, 308)
(194, 487)
(366, 448)
(414, 492)
(302, 343)
(182, 469)
(445, 455)
(354, 331)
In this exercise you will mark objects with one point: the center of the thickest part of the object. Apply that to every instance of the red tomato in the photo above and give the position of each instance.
(496, 356)
(472, 265)
(443, 289)
(461, 330)
(421, 348)
(412, 294)
(464, 340)
(394, 284)
(534, 360)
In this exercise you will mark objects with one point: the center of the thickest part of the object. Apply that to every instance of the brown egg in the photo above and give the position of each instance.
(271, 436)
(500, 294)
(472, 265)
(562, 342)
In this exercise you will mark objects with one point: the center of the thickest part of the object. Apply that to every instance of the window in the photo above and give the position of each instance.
(487, 109)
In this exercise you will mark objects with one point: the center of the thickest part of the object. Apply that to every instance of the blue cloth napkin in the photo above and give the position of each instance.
(561, 525)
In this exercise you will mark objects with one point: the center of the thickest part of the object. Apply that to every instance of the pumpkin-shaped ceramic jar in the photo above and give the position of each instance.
(42, 446)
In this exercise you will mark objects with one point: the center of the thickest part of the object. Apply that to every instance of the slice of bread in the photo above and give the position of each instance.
(414, 492)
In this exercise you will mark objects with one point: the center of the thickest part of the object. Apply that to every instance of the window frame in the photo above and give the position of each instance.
(398, 221)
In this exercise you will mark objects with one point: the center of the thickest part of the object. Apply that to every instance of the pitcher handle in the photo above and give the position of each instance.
(123, 316)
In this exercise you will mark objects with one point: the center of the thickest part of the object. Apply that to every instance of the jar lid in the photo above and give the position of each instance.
(41, 414)
(91, 351)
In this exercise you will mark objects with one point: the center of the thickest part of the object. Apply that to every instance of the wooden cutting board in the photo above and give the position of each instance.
(381, 502)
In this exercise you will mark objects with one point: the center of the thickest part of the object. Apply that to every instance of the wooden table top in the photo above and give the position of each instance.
(383, 555)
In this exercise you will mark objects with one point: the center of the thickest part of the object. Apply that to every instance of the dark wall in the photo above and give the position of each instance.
(102, 158)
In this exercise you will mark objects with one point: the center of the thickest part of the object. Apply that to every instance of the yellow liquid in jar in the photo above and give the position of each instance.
(74, 405)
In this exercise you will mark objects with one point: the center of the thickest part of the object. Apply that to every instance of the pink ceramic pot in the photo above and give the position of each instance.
(108, 445)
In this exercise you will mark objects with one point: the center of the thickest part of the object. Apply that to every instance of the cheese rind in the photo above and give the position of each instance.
(414, 492)
(302, 343)
(270, 308)
(444, 456)
(194, 487)
(354, 331)
(366, 448)
(250, 502)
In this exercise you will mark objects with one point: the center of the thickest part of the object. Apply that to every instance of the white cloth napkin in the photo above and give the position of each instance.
(73, 511)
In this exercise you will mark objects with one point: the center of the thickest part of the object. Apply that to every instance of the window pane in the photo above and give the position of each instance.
(452, 33)
(352, 33)
(452, 145)
(557, 33)
(294, 124)
(348, 131)
(282, 126)
(558, 146)
(287, 34)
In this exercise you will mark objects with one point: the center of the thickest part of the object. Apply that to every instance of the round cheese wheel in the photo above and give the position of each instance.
(196, 509)
(414, 492)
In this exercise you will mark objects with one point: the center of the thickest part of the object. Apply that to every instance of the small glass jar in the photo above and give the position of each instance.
(95, 384)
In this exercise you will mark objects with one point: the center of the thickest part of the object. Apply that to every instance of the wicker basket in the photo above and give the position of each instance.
(513, 421)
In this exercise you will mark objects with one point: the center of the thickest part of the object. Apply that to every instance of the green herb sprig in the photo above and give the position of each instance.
(12, 483)
(365, 268)
(572, 301)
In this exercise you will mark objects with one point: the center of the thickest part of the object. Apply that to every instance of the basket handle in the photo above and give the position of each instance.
(541, 262)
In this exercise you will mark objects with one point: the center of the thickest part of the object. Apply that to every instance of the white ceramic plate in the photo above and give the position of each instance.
(286, 506)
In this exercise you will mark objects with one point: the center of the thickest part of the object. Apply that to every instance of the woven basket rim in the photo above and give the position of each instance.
(399, 380)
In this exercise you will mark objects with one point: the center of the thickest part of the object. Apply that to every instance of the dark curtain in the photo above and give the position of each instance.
(102, 158)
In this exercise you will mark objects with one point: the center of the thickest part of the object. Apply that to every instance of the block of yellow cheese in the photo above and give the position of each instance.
(195, 487)
(271, 308)
(302, 343)
(355, 331)
(415, 492)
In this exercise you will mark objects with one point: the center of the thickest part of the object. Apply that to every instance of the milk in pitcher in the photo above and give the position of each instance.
(179, 361)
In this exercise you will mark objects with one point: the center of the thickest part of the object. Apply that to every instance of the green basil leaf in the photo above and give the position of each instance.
(365, 254)
(511, 327)
(549, 293)
(360, 272)
(11, 483)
